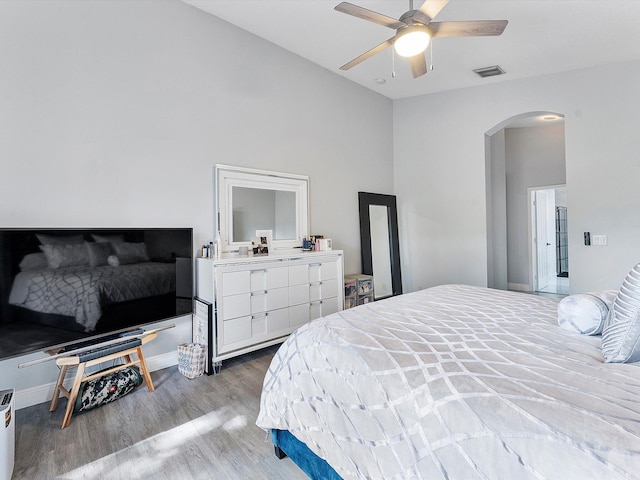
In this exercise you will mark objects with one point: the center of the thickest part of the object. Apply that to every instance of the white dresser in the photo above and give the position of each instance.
(258, 301)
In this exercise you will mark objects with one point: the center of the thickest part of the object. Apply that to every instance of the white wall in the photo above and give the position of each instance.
(112, 114)
(440, 179)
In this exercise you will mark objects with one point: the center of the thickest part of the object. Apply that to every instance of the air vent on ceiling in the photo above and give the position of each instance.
(489, 71)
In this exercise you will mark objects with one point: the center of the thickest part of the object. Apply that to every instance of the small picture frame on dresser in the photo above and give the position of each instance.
(262, 243)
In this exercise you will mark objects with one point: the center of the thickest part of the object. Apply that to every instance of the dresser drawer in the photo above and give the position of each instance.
(322, 271)
(267, 300)
(322, 308)
(299, 315)
(236, 330)
(299, 294)
(236, 306)
(298, 274)
(268, 278)
(234, 283)
(322, 290)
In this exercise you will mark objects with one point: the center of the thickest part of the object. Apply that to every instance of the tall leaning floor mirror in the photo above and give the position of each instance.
(379, 243)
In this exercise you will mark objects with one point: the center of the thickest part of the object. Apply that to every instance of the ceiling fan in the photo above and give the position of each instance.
(414, 30)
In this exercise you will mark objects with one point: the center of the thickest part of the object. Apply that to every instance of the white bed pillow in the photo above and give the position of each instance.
(59, 256)
(585, 313)
(621, 334)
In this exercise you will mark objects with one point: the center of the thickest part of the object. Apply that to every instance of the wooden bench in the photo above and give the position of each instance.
(78, 362)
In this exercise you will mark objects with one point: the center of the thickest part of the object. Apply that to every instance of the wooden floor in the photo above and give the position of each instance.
(186, 429)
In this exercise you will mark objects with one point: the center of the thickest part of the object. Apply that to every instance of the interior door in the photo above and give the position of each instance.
(544, 204)
(541, 239)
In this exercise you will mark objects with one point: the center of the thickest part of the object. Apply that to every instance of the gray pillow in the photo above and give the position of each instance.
(117, 260)
(59, 256)
(585, 313)
(108, 238)
(621, 334)
(98, 253)
(34, 261)
(59, 239)
(134, 251)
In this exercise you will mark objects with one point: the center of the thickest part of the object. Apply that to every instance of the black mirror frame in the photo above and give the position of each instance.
(364, 200)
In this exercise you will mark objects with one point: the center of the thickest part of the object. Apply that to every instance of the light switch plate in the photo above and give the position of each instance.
(598, 240)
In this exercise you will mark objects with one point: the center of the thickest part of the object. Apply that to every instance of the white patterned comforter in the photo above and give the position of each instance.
(455, 382)
(82, 292)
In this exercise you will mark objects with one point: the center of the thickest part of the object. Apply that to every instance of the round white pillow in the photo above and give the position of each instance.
(583, 313)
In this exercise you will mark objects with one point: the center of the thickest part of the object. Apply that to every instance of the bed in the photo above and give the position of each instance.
(68, 282)
(83, 292)
(455, 382)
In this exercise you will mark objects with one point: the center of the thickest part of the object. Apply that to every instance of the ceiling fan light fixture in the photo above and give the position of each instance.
(411, 40)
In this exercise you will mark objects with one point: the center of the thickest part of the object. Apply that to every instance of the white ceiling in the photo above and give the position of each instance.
(542, 37)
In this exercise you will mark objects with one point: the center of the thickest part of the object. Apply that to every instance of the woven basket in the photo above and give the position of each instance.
(191, 359)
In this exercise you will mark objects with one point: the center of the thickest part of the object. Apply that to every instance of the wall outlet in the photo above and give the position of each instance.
(600, 240)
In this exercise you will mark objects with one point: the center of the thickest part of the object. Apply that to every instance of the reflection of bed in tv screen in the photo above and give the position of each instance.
(58, 286)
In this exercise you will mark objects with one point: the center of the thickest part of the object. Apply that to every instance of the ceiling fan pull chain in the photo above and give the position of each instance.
(393, 63)
(431, 55)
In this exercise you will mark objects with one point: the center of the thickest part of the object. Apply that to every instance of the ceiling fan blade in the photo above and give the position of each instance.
(468, 29)
(418, 65)
(366, 55)
(365, 14)
(428, 10)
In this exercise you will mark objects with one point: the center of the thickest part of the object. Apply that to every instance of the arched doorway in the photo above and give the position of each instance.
(522, 152)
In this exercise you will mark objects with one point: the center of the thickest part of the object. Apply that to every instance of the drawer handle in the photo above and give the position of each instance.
(253, 294)
(319, 302)
(253, 317)
(315, 264)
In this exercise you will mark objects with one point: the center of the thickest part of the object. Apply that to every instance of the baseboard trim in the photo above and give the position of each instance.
(519, 287)
(43, 393)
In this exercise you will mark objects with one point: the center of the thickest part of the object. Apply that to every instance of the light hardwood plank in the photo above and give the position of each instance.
(186, 429)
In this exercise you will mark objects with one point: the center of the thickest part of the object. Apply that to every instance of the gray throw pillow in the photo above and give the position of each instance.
(621, 334)
(98, 253)
(59, 256)
(134, 251)
(59, 239)
(34, 261)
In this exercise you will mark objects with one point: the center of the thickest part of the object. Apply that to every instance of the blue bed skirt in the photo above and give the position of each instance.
(315, 467)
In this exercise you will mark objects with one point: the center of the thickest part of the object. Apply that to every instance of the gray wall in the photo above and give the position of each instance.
(112, 114)
(441, 185)
(496, 190)
(534, 157)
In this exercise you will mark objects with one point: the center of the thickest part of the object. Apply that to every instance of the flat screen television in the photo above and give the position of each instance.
(61, 286)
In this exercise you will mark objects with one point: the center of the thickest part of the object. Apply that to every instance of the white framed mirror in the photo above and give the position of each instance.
(248, 200)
